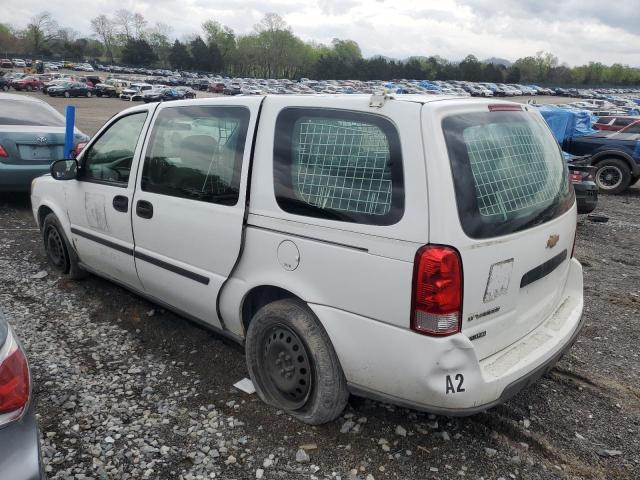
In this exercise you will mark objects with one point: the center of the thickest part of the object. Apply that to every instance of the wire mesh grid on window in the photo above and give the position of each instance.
(509, 168)
(342, 165)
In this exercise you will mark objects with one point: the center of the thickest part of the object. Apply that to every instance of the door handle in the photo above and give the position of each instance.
(144, 209)
(121, 203)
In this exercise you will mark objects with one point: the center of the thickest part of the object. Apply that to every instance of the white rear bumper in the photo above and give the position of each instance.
(399, 366)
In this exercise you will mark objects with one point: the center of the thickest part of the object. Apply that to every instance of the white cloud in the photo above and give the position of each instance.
(577, 31)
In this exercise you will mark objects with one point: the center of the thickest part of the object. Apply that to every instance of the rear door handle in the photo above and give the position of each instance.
(144, 209)
(121, 203)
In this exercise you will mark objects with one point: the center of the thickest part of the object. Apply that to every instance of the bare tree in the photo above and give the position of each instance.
(124, 21)
(271, 22)
(105, 30)
(40, 31)
(139, 24)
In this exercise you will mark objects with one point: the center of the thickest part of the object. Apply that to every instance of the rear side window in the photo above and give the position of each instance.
(635, 128)
(623, 121)
(604, 120)
(17, 112)
(508, 172)
(196, 153)
(338, 165)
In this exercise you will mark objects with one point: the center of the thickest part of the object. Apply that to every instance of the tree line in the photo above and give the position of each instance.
(272, 50)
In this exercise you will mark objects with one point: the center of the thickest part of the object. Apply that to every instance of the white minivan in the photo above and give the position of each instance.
(416, 249)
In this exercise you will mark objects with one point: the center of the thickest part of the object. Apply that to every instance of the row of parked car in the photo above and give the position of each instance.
(90, 85)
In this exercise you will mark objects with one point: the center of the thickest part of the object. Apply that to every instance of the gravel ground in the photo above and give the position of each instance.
(126, 390)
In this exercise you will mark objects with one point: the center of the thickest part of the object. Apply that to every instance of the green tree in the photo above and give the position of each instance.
(138, 52)
(179, 56)
(223, 38)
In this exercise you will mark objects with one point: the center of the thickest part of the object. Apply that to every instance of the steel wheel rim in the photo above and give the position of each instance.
(55, 248)
(609, 177)
(287, 366)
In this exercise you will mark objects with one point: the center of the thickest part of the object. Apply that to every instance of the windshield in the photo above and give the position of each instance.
(18, 112)
(508, 172)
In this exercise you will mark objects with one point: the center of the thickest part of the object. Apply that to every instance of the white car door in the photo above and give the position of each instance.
(189, 205)
(99, 201)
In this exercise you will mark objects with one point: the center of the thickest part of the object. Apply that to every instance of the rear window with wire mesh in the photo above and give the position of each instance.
(339, 165)
(508, 172)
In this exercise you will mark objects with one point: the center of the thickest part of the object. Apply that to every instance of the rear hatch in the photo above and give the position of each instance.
(513, 220)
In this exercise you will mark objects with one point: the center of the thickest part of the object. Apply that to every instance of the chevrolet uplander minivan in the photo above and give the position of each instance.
(416, 250)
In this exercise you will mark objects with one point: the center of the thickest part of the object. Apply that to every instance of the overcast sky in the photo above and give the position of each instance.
(577, 31)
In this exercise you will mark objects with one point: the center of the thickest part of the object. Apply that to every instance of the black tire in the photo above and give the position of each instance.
(613, 175)
(99, 94)
(292, 363)
(61, 256)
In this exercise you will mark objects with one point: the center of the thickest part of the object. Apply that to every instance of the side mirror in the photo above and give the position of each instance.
(64, 169)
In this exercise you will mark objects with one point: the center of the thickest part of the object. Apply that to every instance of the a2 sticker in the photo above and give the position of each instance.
(455, 385)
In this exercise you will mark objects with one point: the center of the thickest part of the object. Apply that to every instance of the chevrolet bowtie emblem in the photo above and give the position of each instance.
(552, 241)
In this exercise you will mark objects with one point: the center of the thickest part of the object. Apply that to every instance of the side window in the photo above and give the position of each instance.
(339, 165)
(109, 158)
(635, 128)
(623, 121)
(196, 153)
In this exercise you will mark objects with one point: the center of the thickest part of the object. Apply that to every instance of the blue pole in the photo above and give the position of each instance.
(70, 113)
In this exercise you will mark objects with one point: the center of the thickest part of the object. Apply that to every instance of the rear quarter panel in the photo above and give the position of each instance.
(363, 269)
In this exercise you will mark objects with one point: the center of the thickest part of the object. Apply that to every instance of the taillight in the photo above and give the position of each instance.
(14, 381)
(3, 152)
(437, 291)
(575, 177)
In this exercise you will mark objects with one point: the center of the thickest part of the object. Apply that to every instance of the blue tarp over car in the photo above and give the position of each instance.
(567, 122)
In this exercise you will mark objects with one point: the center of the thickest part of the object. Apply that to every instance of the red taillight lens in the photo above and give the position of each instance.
(575, 177)
(3, 152)
(14, 381)
(437, 291)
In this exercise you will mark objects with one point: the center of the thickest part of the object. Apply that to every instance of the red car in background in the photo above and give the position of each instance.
(6, 63)
(28, 84)
(614, 123)
(217, 87)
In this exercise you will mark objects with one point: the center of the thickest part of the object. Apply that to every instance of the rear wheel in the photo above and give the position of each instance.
(67, 95)
(88, 94)
(613, 175)
(60, 255)
(293, 364)
(29, 88)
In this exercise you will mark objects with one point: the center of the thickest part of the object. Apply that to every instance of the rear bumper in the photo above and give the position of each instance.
(17, 178)
(20, 449)
(401, 367)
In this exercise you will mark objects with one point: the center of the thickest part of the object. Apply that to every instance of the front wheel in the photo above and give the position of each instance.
(67, 95)
(613, 175)
(88, 94)
(60, 255)
(293, 364)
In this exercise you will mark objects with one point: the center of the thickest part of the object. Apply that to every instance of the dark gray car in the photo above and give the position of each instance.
(19, 438)
(31, 137)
